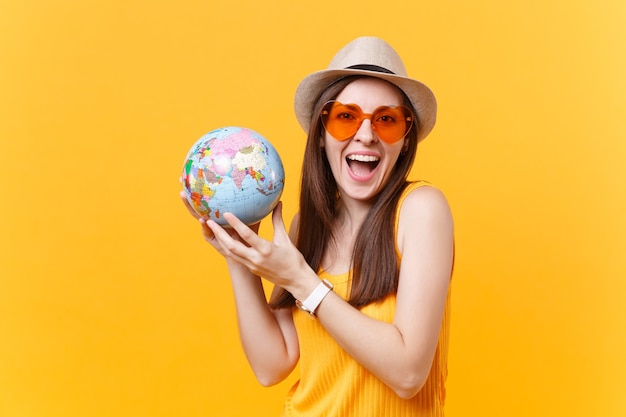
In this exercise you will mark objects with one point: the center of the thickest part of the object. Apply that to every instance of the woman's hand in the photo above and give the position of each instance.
(208, 234)
(278, 261)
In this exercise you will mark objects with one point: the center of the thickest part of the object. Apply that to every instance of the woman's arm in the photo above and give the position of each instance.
(400, 353)
(268, 336)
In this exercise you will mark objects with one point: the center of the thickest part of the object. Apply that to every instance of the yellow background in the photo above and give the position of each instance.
(112, 305)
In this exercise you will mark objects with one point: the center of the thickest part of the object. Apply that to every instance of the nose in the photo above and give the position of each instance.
(365, 132)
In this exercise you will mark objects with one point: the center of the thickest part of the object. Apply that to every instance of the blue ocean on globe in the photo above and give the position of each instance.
(234, 170)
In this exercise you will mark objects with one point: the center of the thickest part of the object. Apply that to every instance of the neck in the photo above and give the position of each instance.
(350, 215)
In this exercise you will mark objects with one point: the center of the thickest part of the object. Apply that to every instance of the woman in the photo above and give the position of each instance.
(361, 294)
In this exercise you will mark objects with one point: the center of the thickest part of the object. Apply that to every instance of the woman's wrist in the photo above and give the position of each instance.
(237, 271)
(303, 287)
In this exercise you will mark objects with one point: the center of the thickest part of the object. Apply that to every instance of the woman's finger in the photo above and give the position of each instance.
(230, 246)
(244, 231)
(207, 233)
(280, 231)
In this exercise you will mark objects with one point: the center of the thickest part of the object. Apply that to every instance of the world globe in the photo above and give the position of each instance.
(233, 170)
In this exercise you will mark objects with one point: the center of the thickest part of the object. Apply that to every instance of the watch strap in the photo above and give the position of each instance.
(310, 304)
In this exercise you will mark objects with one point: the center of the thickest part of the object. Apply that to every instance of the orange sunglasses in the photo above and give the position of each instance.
(342, 121)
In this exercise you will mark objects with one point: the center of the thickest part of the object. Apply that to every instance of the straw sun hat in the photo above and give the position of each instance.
(375, 58)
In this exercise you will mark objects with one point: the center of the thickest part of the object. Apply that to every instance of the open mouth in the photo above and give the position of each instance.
(362, 165)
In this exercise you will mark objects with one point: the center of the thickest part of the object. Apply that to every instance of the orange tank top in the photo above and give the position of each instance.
(333, 384)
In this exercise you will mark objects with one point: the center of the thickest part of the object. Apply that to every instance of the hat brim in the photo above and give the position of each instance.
(312, 86)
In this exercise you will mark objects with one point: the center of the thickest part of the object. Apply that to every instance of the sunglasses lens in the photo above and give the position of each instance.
(391, 123)
(342, 121)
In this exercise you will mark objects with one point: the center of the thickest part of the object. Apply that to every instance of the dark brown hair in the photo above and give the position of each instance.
(375, 269)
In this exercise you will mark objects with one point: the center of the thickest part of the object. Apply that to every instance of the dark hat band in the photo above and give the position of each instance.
(373, 68)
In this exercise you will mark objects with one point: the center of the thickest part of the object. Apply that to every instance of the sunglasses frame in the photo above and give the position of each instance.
(407, 114)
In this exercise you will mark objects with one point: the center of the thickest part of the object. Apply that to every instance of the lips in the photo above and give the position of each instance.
(362, 165)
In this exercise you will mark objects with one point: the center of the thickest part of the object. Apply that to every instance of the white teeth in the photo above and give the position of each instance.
(363, 158)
